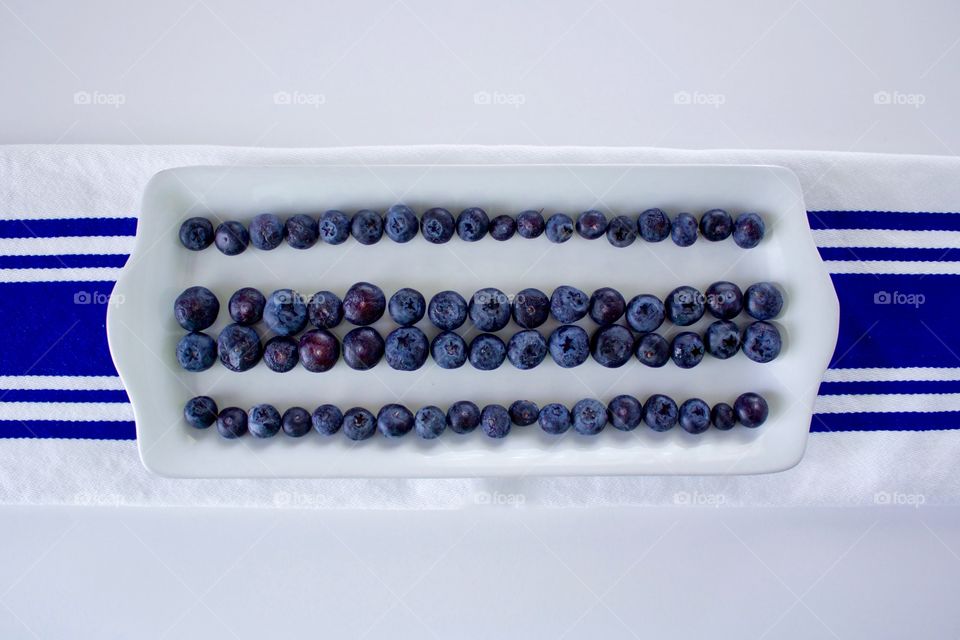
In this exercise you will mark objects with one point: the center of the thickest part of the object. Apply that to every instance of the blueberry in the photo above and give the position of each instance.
(487, 352)
(645, 313)
(591, 224)
(723, 416)
(489, 309)
(761, 341)
(364, 304)
(327, 419)
(366, 226)
(569, 345)
(495, 421)
(266, 231)
(246, 306)
(472, 224)
(724, 300)
(751, 410)
(200, 412)
(763, 301)
(653, 225)
(429, 422)
(296, 422)
(401, 224)
(559, 228)
(526, 349)
(334, 227)
(196, 352)
(239, 347)
(589, 417)
(684, 305)
(660, 412)
(406, 349)
(502, 228)
(407, 307)
(694, 416)
(463, 416)
(232, 422)
(447, 310)
(285, 312)
(196, 308)
(319, 350)
(569, 304)
(612, 345)
(531, 308)
(524, 412)
(302, 231)
(281, 353)
(621, 232)
(687, 350)
(362, 348)
(625, 413)
(448, 350)
(748, 230)
(530, 224)
(359, 424)
(394, 420)
(555, 419)
(437, 225)
(683, 230)
(264, 421)
(653, 350)
(325, 310)
(716, 225)
(196, 234)
(606, 306)
(722, 339)
(231, 238)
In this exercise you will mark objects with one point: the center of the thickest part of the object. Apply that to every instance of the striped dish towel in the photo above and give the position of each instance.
(887, 421)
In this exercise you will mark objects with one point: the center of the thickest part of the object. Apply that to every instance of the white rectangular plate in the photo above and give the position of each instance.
(143, 333)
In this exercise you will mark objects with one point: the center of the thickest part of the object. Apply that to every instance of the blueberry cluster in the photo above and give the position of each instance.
(267, 231)
(587, 417)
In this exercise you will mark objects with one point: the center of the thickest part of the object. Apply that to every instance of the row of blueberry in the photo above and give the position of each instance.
(588, 417)
(287, 312)
(267, 231)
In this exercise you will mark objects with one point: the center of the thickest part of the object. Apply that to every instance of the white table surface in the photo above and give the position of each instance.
(779, 74)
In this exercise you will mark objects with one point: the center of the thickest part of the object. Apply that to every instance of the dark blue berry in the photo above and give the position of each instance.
(200, 412)
(645, 313)
(246, 306)
(722, 339)
(281, 353)
(591, 224)
(463, 416)
(683, 230)
(569, 345)
(325, 310)
(625, 413)
(555, 419)
(502, 228)
(359, 424)
(660, 412)
(716, 225)
(487, 352)
(296, 422)
(302, 231)
(196, 308)
(231, 238)
(319, 350)
(400, 223)
(196, 234)
(589, 417)
(684, 306)
(407, 306)
(285, 312)
(606, 306)
(266, 231)
(653, 225)
(524, 412)
(429, 422)
(621, 232)
(362, 348)
(364, 304)
(748, 230)
(394, 420)
(568, 304)
(448, 350)
(653, 350)
(366, 226)
(406, 349)
(526, 349)
(447, 310)
(530, 224)
(687, 350)
(612, 345)
(751, 410)
(472, 224)
(327, 419)
(239, 347)
(264, 421)
(489, 309)
(232, 423)
(196, 352)
(334, 227)
(559, 228)
(761, 341)
(763, 301)
(531, 308)
(724, 300)
(723, 416)
(694, 416)
(495, 421)
(437, 225)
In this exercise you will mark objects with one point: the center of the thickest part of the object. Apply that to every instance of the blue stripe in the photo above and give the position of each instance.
(894, 220)
(63, 261)
(60, 227)
(889, 387)
(889, 253)
(933, 421)
(63, 395)
(62, 429)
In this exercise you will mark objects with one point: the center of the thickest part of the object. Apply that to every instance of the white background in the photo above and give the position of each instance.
(798, 74)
